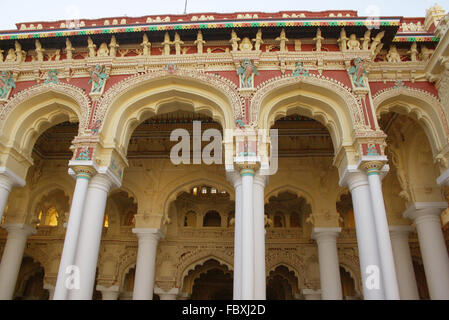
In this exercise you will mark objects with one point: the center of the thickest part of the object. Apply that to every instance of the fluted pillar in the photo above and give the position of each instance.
(146, 263)
(83, 177)
(89, 239)
(366, 234)
(12, 257)
(408, 288)
(326, 239)
(260, 287)
(433, 246)
(388, 267)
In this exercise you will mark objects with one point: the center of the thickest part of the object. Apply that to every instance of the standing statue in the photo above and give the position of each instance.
(246, 45)
(343, 40)
(413, 52)
(376, 41)
(358, 73)
(103, 51)
(6, 84)
(298, 45)
(426, 53)
(57, 55)
(393, 55)
(146, 44)
(21, 55)
(92, 48)
(113, 46)
(234, 41)
(258, 41)
(318, 40)
(167, 43)
(98, 78)
(39, 51)
(178, 43)
(283, 41)
(366, 40)
(11, 56)
(199, 42)
(69, 49)
(353, 43)
(246, 72)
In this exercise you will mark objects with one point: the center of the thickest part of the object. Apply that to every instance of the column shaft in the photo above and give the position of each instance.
(12, 258)
(433, 249)
(146, 263)
(366, 237)
(6, 185)
(389, 277)
(326, 239)
(89, 240)
(238, 238)
(408, 288)
(248, 236)
(72, 233)
(260, 288)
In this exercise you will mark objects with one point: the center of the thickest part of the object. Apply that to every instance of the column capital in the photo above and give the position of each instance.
(19, 229)
(323, 234)
(101, 288)
(421, 210)
(400, 231)
(84, 172)
(353, 178)
(260, 179)
(148, 233)
(247, 168)
(174, 292)
(9, 179)
(234, 177)
(373, 167)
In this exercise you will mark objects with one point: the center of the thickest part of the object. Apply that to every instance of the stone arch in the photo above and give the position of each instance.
(177, 187)
(127, 261)
(323, 99)
(131, 101)
(300, 193)
(290, 260)
(198, 257)
(32, 111)
(351, 265)
(421, 106)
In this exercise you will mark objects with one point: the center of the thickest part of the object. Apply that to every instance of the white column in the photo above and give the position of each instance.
(83, 176)
(366, 235)
(146, 263)
(111, 293)
(260, 287)
(388, 267)
(326, 239)
(408, 288)
(89, 239)
(164, 295)
(311, 294)
(248, 234)
(433, 247)
(237, 182)
(51, 290)
(12, 257)
(8, 180)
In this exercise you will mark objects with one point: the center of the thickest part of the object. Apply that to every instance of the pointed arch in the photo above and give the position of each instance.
(421, 106)
(133, 100)
(32, 111)
(323, 99)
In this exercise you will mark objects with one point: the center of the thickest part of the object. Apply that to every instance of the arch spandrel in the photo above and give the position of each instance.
(133, 100)
(323, 99)
(420, 105)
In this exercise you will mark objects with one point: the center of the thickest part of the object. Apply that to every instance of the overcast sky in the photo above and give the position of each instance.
(49, 10)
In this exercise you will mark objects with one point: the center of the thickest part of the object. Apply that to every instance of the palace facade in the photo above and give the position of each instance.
(334, 178)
